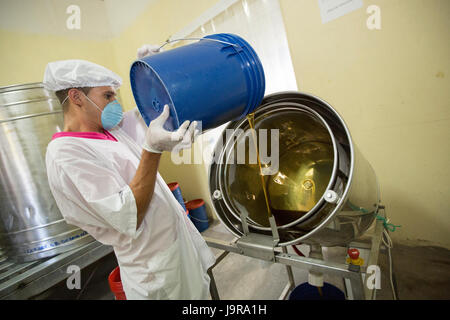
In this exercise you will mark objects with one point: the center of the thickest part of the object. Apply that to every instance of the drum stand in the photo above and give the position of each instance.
(264, 247)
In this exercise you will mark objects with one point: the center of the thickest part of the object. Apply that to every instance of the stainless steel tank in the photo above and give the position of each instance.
(31, 225)
(3, 255)
(324, 191)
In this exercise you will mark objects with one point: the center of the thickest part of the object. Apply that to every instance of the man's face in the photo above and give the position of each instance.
(101, 96)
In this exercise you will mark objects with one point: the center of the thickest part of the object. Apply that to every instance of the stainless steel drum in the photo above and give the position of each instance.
(324, 191)
(31, 225)
(3, 255)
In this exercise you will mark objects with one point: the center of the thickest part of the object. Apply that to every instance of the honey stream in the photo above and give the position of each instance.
(251, 122)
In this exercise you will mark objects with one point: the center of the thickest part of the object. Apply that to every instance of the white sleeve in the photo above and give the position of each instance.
(89, 193)
(134, 125)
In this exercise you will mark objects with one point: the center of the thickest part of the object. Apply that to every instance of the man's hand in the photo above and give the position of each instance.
(158, 139)
(147, 50)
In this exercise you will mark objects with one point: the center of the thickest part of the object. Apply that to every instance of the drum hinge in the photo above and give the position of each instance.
(257, 246)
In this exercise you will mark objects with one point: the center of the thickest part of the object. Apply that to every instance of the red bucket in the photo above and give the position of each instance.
(115, 284)
(173, 185)
(194, 204)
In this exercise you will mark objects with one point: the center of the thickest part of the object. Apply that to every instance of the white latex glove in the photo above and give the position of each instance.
(147, 50)
(158, 139)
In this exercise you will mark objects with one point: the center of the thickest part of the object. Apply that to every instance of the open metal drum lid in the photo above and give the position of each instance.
(316, 159)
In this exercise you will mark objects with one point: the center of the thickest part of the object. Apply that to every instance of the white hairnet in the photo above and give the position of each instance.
(64, 74)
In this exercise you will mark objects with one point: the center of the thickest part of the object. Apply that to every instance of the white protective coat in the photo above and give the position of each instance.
(166, 258)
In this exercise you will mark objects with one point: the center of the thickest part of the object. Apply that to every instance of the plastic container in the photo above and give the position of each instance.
(175, 188)
(215, 80)
(115, 284)
(305, 291)
(197, 212)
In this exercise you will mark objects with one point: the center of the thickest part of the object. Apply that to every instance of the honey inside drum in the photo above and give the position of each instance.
(298, 179)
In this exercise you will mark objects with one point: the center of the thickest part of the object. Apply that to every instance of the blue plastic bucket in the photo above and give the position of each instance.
(197, 212)
(305, 291)
(209, 81)
(175, 188)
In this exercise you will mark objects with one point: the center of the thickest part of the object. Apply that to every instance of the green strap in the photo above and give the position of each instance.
(391, 227)
(387, 225)
(351, 205)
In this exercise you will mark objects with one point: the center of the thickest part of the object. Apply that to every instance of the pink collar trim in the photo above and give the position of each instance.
(87, 135)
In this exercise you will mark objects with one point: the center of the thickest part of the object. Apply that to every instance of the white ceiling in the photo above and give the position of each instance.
(100, 19)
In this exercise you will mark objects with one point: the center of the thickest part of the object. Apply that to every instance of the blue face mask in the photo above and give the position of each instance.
(112, 114)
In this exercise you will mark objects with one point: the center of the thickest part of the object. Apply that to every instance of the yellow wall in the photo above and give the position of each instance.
(154, 26)
(23, 56)
(390, 86)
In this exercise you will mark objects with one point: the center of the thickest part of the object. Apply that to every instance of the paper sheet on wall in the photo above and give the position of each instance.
(332, 9)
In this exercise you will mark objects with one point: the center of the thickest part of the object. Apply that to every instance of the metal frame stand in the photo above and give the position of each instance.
(264, 247)
(26, 280)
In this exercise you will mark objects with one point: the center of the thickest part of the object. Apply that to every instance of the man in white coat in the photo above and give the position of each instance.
(102, 171)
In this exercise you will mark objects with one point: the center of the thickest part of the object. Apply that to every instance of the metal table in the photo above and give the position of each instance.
(353, 276)
(25, 280)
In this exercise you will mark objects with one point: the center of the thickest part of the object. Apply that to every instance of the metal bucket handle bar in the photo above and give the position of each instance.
(181, 39)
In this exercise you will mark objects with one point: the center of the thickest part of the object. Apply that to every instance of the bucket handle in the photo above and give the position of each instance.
(169, 41)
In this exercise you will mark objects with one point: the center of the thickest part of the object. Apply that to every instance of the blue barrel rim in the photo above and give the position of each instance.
(252, 67)
(251, 81)
(262, 76)
(256, 67)
(134, 65)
